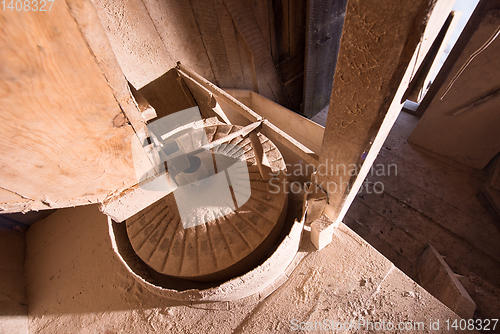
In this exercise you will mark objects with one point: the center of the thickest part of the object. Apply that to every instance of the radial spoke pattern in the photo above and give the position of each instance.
(158, 237)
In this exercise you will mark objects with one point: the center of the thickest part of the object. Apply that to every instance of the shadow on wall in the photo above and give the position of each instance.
(168, 94)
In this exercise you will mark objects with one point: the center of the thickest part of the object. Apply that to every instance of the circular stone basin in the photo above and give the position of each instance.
(223, 247)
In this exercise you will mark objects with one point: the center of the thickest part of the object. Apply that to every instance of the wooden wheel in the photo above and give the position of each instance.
(226, 246)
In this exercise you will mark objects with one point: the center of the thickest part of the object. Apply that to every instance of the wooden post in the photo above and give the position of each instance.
(324, 28)
(66, 111)
(373, 70)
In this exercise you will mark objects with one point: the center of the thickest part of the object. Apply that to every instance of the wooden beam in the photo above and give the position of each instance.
(417, 82)
(325, 20)
(377, 51)
(207, 20)
(92, 31)
(134, 38)
(267, 74)
(64, 138)
(277, 135)
(219, 93)
(438, 279)
(300, 128)
(269, 129)
(431, 75)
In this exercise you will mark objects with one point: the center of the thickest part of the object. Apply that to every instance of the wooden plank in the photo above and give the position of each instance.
(206, 101)
(436, 277)
(470, 136)
(267, 74)
(494, 181)
(84, 13)
(280, 30)
(263, 15)
(472, 24)
(359, 120)
(385, 230)
(493, 197)
(300, 128)
(492, 188)
(417, 83)
(207, 21)
(297, 20)
(64, 137)
(297, 26)
(414, 167)
(404, 126)
(231, 44)
(128, 25)
(325, 20)
(291, 68)
(477, 232)
(13, 296)
(269, 129)
(295, 90)
(167, 94)
(247, 65)
(146, 109)
(437, 61)
(384, 247)
(219, 93)
(277, 135)
(439, 14)
(459, 253)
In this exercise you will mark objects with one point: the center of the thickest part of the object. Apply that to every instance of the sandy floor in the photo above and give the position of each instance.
(77, 285)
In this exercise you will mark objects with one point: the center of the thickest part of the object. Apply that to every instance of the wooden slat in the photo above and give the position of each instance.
(263, 15)
(219, 93)
(472, 24)
(458, 251)
(291, 68)
(231, 44)
(438, 279)
(208, 24)
(417, 82)
(325, 20)
(295, 89)
(267, 74)
(280, 32)
(300, 128)
(430, 42)
(58, 141)
(247, 64)
(456, 16)
(297, 23)
(277, 135)
(269, 129)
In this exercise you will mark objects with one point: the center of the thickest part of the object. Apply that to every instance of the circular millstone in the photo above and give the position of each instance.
(223, 247)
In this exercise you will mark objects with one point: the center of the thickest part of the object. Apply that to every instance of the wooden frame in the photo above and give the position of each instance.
(353, 133)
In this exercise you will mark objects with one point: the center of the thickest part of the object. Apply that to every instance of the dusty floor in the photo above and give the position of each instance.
(433, 200)
(77, 285)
